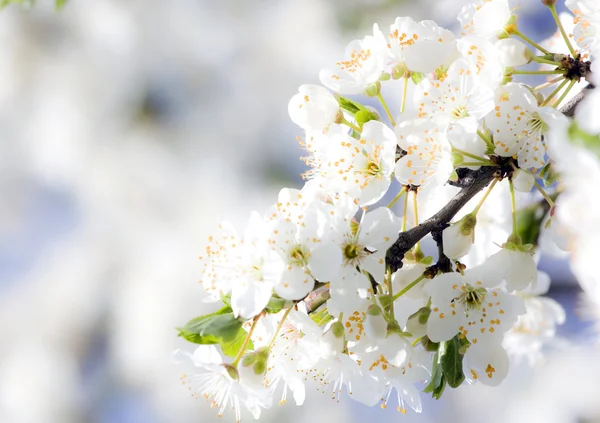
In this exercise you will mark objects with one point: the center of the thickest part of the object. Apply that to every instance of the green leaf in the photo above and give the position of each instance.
(350, 106)
(528, 225)
(548, 175)
(437, 382)
(231, 348)
(60, 4)
(276, 304)
(452, 361)
(215, 328)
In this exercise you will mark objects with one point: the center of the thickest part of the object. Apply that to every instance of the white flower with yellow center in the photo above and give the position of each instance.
(484, 58)
(401, 377)
(468, 304)
(361, 168)
(428, 159)
(253, 269)
(363, 248)
(294, 350)
(313, 108)
(221, 385)
(361, 67)
(456, 100)
(518, 125)
(416, 46)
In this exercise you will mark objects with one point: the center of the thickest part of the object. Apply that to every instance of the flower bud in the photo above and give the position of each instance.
(313, 108)
(417, 322)
(459, 236)
(522, 180)
(513, 52)
(373, 89)
(549, 3)
(457, 158)
(254, 365)
(375, 324)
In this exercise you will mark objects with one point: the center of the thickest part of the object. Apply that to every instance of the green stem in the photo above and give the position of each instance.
(486, 163)
(417, 252)
(474, 213)
(240, 353)
(405, 210)
(530, 41)
(546, 61)
(562, 97)
(553, 72)
(279, 326)
(484, 137)
(351, 125)
(387, 110)
(544, 194)
(562, 30)
(396, 198)
(473, 156)
(405, 89)
(390, 291)
(553, 93)
(408, 287)
(547, 84)
(513, 203)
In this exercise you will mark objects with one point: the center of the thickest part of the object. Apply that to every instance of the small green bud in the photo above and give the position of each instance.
(337, 328)
(417, 77)
(467, 224)
(260, 367)
(232, 372)
(400, 71)
(373, 89)
(385, 76)
(453, 176)
(457, 158)
(374, 310)
(511, 25)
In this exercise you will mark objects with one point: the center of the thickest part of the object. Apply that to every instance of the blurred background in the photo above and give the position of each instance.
(127, 129)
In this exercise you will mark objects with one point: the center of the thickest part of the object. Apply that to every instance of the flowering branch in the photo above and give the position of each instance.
(472, 182)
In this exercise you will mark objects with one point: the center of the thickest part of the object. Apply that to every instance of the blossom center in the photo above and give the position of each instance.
(299, 255)
(472, 298)
(353, 253)
(460, 113)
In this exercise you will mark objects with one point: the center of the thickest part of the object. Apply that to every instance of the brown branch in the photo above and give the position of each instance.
(407, 240)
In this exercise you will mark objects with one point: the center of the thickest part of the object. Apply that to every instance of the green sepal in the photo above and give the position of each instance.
(416, 77)
(220, 327)
(349, 105)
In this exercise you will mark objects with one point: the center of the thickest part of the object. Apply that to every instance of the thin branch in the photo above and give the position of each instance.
(407, 240)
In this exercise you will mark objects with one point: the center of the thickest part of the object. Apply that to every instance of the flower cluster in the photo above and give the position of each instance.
(330, 288)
